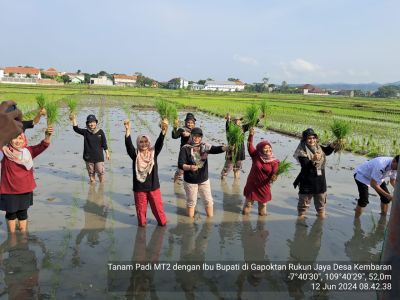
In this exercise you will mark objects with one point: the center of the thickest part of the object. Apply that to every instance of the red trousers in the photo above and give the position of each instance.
(154, 197)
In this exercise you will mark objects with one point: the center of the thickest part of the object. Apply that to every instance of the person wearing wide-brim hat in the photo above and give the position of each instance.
(184, 134)
(231, 163)
(93, 145)
(311, 180)
(193, 160)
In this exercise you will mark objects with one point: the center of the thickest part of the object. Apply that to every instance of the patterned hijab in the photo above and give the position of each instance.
(199, 152)
(144, 159)
(21, 155)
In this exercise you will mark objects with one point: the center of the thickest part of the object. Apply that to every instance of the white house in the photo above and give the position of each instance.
(124, 80)
(224, 86)
(75, 77)
(22, 72)
(196, 87)
(101, 80)
(178, 83)
(309, 89)
(1, 73)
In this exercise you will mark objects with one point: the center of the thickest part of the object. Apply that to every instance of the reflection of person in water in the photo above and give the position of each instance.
(20, 268)
(254, 246)
(304, 249)
(95, 219)
(141, 282)
(231, 205)
(361, 247)
(193, 249)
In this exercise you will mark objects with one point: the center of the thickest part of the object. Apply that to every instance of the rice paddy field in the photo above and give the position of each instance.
(76, 229)
(374, 122)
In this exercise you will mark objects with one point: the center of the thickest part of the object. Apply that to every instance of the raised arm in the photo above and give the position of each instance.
(130, 149)
(250, 147)
(44, 144)
(328, 150)
(159, 143)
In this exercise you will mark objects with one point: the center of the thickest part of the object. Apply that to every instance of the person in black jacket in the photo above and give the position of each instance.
(311, 180)
(193, 161)
(184, 134)
(146, 185)
(93, 145)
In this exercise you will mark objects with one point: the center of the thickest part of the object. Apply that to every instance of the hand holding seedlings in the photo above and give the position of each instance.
(164, 126)
(251, 131)
(227, 116)
(176, 123)
(127, 125)
(47, 134)
(193, 168)
(317, 156)
(274, 178)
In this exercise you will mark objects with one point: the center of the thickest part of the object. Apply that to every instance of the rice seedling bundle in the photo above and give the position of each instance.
(284, 167)
(172, 113)
(52, 113)
(340, 129)
(264, 107)
(72, 105)
(235, 137)
(41, 101)
(251, 115)
(162, 108)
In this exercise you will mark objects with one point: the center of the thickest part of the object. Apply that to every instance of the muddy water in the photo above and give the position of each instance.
(76, 229)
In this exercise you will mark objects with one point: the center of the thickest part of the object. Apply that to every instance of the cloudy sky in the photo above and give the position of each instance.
(318, 41)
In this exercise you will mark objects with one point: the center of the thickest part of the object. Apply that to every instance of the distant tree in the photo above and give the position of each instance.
(11, 74)
(233, 79)
(78, 72)
(201, 81)
(209, 79)
(28, 76)
(87, 78)
(138, 73)
(144, 81)
(265, 80)
(387, 91)
(102, 73)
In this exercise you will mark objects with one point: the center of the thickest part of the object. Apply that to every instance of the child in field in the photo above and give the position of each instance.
(17, 180)
(93, 145)
(146, 185)
(263, 172)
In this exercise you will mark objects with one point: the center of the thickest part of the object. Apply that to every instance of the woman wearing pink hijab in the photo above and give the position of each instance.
(263, 172)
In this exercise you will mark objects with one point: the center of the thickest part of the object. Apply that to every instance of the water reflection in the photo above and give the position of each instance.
(19, 265)
(141, 283)
(194, 244)
(304, 249)
(231, 203)
(362, 247)
(95, 220)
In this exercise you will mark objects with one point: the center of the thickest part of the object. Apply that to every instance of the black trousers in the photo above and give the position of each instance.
(363, 193)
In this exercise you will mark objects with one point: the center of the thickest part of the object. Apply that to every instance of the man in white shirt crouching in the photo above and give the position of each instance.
(373, 173)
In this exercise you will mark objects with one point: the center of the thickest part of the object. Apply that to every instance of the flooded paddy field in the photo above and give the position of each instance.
(76, 229)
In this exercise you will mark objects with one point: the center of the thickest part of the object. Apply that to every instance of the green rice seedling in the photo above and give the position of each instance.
(340, 129)
(264, 107)
(162, 108)
(52, 113)
(172, 113)
(284, 167)
(72, 105)
(127, 109)
(251, 115)
(41, 101)
(235, 137)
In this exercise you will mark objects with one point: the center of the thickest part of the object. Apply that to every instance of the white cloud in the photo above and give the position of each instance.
(300, 65)
(245, 60)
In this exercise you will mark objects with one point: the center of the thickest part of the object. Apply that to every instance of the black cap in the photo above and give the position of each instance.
(197, 131)
(190, 116)
(91, 118)
(308, 132)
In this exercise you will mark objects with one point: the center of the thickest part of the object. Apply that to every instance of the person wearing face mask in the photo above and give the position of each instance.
(17, 179)
(93, 145)
(311, 180)
(194, 163)
(184, 134)
(263, 172)
(146, 184)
